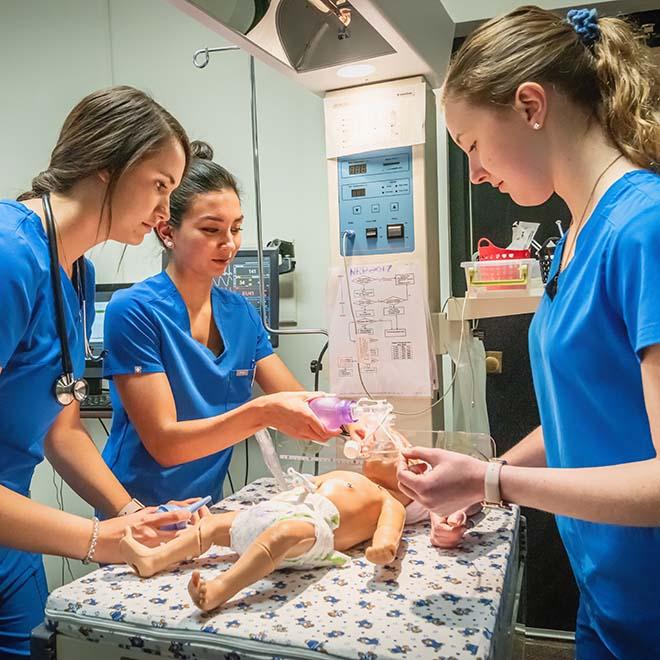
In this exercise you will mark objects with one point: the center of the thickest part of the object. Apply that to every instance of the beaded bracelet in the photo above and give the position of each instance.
(89, 557)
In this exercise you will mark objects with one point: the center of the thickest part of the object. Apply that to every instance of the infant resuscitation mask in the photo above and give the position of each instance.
(375, 416)
(381, 440)
(380, 443)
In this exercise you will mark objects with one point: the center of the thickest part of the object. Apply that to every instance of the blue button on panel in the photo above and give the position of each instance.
(375, 208)
(394, 206)
(357, 210)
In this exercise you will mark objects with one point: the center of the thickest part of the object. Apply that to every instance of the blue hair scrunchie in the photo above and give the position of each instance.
(585, 23)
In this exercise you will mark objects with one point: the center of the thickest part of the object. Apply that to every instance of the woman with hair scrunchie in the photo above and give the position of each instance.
(545, 105)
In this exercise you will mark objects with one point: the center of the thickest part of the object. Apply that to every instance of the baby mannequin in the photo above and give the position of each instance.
(302, 528)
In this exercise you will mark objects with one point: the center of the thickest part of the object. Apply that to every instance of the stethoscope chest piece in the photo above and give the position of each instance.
(69, 389)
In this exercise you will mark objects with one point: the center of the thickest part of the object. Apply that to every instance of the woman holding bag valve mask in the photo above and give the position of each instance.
(184, 354)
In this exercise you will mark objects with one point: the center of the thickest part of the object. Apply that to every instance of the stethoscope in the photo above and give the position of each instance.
(68, 388)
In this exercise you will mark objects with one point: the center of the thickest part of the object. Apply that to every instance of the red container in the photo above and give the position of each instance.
(506, 272)
(490, 252)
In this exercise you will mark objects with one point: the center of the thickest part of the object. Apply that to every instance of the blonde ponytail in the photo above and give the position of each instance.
(630, 84)
(610, 75)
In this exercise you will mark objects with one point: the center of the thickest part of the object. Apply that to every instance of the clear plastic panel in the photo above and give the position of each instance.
(331, 457)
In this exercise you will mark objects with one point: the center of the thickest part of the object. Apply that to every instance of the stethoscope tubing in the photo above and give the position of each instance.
(67, 387)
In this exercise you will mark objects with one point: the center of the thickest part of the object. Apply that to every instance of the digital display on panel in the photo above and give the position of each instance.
(357, 168)
(358, 192)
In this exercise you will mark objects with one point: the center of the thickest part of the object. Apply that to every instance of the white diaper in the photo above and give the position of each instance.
(298, 503)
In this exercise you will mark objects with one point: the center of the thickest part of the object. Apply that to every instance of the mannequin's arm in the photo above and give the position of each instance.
(191, 542)
(388, 532)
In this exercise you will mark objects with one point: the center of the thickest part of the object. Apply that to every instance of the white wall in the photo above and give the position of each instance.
(77, 46)
(477, 10)
(51, 55)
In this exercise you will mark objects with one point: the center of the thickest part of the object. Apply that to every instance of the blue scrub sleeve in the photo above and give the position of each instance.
(131, 337)
(633, 278)
(19, 283)
(264, 347)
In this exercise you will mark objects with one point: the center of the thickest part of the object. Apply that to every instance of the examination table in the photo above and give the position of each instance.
(430, 603)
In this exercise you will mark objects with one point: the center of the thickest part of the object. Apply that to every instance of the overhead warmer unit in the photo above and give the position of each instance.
(332, 44)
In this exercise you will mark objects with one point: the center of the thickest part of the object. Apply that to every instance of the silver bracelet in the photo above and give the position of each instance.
(89, 557)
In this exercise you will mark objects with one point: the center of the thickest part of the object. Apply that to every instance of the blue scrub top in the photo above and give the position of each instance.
(30, 356)
(147, 330)
(586, 347)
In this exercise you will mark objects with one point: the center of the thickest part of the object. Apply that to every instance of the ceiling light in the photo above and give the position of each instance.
(356, 70)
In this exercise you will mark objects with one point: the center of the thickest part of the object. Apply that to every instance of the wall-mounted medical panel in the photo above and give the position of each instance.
(376, 203)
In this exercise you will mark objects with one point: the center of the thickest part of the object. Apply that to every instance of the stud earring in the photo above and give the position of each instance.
(169, 244)
(536, 126)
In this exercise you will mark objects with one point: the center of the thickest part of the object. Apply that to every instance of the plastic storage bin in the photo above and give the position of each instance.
(500, 277)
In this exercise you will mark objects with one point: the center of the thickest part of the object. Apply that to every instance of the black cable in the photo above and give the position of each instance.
(61, 507)
(231, 483)
(316, 368)
(247, 461)
(66, 559)
(59, 498)
(105, 428)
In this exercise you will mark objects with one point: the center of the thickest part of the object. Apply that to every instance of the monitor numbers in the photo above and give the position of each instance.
(357, 168)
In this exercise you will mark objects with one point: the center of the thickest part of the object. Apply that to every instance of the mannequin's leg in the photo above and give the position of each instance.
(285, 539)
(190, 543)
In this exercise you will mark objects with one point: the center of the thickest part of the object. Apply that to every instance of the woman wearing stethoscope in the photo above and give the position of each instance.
(118, 158)
(183, 355)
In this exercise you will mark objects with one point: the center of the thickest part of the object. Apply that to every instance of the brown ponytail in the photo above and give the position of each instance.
(612, 79)
(42, 183)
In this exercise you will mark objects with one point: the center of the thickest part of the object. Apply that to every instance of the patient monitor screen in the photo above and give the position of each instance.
(242, 276)
(96, 336)
(102, 297)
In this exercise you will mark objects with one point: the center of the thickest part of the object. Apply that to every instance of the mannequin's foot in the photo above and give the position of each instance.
(207, 595)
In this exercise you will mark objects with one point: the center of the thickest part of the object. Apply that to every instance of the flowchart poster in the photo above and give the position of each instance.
(379, 331)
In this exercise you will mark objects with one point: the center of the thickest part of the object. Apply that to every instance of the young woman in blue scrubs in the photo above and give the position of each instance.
(543, 104)
(118, 157)
(183, 355)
